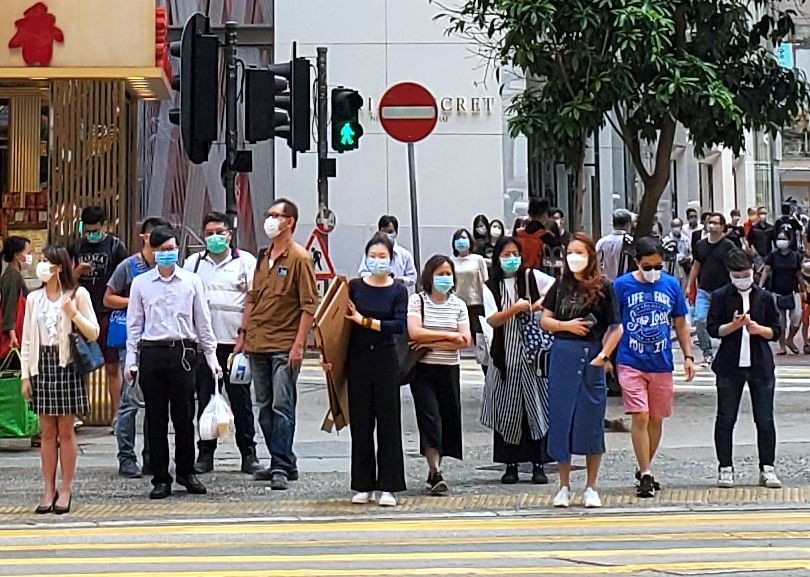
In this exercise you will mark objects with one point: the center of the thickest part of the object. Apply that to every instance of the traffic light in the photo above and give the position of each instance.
(294, 100)
(346, 129)
(197, 83)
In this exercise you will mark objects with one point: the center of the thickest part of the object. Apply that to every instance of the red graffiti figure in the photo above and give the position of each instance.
(36, 34)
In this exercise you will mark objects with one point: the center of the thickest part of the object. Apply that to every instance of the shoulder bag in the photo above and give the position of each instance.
(535, 339)
(87, 355)
(117, 325)
(408, 357)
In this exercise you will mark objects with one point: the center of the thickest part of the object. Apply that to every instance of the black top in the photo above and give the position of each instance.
(104, 256)
(761, 238)
(725, 303)
(12, 287)
(790, 225)
(485, 249)
(712, 259)
(567, 307)
(389, 305)
(735, 234)
(782, 279)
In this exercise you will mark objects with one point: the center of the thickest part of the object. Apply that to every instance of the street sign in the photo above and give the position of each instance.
(326, 220)
(408, 112)
(316, 246)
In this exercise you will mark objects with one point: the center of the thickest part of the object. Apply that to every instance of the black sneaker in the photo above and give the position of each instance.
(279, 482)
(510, 477)
(646, 487)
(656, 484)
(436, 484)
(539, 476)
(129, 469)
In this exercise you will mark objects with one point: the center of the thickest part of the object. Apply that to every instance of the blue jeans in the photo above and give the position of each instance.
(126, 419)
(276, 396)
(702, 304)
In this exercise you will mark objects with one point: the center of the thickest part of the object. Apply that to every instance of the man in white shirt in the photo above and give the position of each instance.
(402, 265)
(227, 274)
(167, 320)
(609, 248)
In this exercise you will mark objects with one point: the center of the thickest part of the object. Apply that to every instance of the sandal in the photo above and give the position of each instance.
(793, 349)
(781, 353)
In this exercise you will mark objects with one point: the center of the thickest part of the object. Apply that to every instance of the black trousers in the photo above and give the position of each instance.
(436, 391)
(374, 402)
(239, 397)
(167, 380)
(729, 393)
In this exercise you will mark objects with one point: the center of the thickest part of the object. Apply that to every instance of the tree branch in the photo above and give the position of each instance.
(632, 144)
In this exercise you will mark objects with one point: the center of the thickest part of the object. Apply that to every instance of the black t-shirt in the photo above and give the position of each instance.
(104, 256)
(782, 279)
(761, 238)
(712, 259)
(568, 306)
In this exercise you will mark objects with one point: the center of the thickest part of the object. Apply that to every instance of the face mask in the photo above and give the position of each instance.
(272, 227)
(96, 236)
(443, 284)
(462, 244)
(379, 266)
(392, 236)
(496, 232)
(577, 262)
(763, 217)
(217, 244)
(676, 232)
(29, 260)
(511, 264)
(44, 271)
(167, 258)
(713, 228)
(743, 284)
(692, 222)
(782, 244)
(481, 230)
(651, 276)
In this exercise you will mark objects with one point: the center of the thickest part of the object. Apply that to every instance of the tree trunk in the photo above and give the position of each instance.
(579, 185)
(649, 205)
(655, 183)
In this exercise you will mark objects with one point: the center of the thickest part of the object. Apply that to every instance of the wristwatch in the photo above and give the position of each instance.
(605, 358)
(241, 331)
(689, 357)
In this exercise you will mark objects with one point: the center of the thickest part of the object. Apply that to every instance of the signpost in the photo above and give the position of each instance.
(326, 221)
(316, 246)
(408, 113)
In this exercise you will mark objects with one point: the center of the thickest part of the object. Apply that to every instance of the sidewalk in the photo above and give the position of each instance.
(685, 466)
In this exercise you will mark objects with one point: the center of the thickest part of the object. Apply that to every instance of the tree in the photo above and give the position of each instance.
(642, 66)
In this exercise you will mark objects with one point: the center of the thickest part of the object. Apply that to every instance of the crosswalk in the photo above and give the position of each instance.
(572, 543)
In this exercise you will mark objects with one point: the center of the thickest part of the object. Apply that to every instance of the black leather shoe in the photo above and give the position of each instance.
(510, 477)
(263, 474)
(205, 462)
(250, 464)
(161, 491)
(539, 476)
(192, 484)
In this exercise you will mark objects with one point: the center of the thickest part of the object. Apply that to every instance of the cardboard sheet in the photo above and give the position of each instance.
(332, 332)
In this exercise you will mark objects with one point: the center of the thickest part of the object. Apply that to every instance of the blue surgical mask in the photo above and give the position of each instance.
(379, 266)
(511, 264)
(443, 284)
(94, 237)
(462, 244)
(392, 236)
(167, 258)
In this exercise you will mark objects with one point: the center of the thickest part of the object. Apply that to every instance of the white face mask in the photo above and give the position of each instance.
(651, 276)
(496, 232)
(782, 244)
(272, 227)
(743, 284)
(44, 271)
(29, 260)
(577, 262)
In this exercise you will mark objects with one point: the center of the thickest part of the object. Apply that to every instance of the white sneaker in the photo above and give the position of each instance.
(592, 500)
(725, 478)
(768, 478)
(563, 498)
(361, 498)
(387, 500)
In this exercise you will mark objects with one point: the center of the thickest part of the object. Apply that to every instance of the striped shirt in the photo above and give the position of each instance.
(448, 316)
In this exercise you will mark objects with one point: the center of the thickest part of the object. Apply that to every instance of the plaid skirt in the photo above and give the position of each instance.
(58, 391)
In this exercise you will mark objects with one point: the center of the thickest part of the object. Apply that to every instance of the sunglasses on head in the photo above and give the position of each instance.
(649, 267)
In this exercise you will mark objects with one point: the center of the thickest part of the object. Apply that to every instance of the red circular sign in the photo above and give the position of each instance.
(408, 112)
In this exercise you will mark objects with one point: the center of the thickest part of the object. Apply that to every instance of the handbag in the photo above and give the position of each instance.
(117, 325)
(407, 356)
(16, 418)
(87, 355)
(535, 339)
(785, 302)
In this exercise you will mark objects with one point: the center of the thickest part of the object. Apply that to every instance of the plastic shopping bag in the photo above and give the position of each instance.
(216, 420)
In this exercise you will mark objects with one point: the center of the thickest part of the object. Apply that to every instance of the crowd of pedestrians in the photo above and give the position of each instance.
(551, 314)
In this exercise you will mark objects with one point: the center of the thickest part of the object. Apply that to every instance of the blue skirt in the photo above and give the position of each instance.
(577, 400)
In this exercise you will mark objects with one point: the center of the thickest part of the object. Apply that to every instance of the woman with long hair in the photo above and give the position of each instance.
(471, 274)
(438, 322)
(515, 402)
(17, 255)
(50, 379)
(480, 230)
(581, 311)
(487, 248)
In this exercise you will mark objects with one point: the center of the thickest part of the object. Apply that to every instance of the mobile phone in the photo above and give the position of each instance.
(590, 318)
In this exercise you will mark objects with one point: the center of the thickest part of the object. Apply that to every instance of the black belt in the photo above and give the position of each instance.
(186, 344)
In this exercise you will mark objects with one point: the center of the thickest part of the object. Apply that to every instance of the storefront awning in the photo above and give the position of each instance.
(143, 83)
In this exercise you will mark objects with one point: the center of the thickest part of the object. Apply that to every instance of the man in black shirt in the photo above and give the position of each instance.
(96, 255)
(783, 277)
(761, 235)
(710, 272)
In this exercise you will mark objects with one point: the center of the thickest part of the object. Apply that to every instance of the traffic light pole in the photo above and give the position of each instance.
(323, 121)
(231, 124)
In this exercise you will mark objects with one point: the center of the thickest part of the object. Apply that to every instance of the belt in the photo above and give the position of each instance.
(186, 344)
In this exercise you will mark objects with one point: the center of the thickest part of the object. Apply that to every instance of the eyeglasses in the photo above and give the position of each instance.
(649, 267)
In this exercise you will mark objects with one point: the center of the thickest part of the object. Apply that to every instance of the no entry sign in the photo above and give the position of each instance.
(408, 112)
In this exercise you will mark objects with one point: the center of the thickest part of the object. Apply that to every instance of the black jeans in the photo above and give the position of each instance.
(167, 380)
(374, 401)
(239, 397)
(729, 393)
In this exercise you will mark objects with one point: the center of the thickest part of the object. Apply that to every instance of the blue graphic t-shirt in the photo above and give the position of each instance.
(647, 311)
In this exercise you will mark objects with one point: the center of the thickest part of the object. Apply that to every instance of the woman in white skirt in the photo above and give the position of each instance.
(50, 379)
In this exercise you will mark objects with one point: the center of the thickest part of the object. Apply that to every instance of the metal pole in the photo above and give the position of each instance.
(323, 143)
(414, 207)
(231, 124)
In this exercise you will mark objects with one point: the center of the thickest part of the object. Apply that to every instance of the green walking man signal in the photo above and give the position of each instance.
(347, 135)
(346, 128)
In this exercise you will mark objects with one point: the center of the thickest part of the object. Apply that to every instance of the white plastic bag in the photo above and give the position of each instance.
(216, 420)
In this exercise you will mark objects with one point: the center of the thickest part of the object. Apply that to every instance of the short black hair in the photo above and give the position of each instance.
(152, 223)
(380, 238)
(648, 246)
(59, 256)
(738, 261)
(457, 235)
(735, 212)
(557, 210)
(704, 216)
(538, 207)
(786, 208)
(290, 209)
(13, 246)
(431, 265)
(94, 215)
(622, 217)
(691, 211)
(216, 217)
(387, 220)
(719, 215)
(160, 235)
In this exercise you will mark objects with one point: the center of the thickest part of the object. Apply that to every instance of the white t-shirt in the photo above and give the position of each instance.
(448, 316)
(471, 274)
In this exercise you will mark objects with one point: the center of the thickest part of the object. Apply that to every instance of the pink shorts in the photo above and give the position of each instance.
(646, 392)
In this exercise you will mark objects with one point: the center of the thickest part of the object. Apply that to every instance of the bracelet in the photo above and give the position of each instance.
(690, 357)
(367, 322)
(241, 331)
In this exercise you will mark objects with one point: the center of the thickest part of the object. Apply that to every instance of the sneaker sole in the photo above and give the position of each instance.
(439, 488)
(725, 485)
(771, 486)
(562, 505)
(645, 494)
(593, 506)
